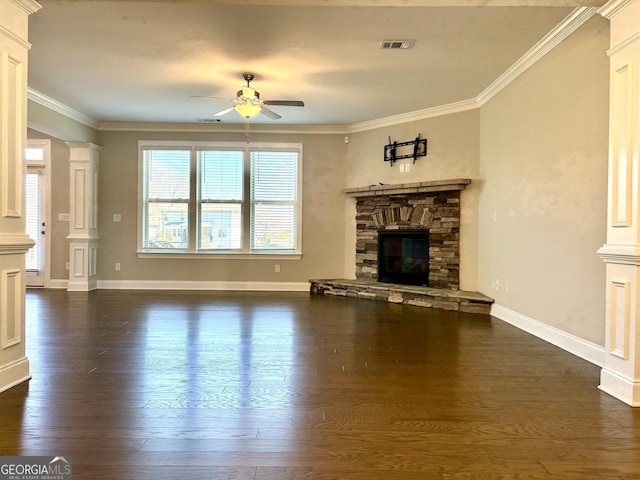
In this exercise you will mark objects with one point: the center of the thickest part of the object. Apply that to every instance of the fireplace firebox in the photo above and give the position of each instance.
(403, 257)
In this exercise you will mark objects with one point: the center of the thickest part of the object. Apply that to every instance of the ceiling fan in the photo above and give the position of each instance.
(248, 103)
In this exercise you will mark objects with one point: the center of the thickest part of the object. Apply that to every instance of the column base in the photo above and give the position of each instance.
(82, 286)
(14, 373)
(624, 389)
(83, 260)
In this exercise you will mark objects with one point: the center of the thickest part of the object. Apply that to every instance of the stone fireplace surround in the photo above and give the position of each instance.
(411, 207)
(431, 205)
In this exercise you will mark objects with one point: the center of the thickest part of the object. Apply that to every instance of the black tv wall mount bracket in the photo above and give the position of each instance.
(419, 150)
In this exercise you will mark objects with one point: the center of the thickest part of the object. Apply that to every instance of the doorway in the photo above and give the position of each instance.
(37, 189)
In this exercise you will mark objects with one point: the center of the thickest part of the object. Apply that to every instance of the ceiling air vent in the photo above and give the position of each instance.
(395, 44)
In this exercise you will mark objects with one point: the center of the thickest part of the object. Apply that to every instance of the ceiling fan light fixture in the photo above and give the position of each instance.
(248, 109)
(249, 93)
(248, 104)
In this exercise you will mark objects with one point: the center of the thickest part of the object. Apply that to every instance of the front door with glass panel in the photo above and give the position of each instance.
(37, 156)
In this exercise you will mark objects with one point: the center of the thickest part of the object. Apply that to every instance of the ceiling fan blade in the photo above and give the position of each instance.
(207, 97)
(285, 103)
(270, 113)
(223, 112)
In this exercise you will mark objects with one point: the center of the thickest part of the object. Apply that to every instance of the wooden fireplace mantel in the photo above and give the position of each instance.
(404, 188)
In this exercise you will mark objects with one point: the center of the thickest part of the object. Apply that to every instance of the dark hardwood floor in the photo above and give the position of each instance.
(257, 386)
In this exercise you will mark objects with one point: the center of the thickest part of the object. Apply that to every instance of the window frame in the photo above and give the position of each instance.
(194, 203)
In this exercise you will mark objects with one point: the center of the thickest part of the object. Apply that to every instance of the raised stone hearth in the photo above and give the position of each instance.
(457, 300)
(430, 206)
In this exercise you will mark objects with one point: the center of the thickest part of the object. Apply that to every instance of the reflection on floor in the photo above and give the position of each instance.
(255, 386)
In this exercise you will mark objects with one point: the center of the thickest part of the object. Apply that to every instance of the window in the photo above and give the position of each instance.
(220, 198)
(220, 201)
(273, 200)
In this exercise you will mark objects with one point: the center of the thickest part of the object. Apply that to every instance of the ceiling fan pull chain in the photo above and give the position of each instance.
(246, 131)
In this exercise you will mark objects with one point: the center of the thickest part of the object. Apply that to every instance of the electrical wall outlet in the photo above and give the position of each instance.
(117, 266)
(277, 268)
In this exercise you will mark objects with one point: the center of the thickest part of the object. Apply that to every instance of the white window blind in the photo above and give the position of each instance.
(220, 200)
(274, 195)
(33, 220)
(166, 199)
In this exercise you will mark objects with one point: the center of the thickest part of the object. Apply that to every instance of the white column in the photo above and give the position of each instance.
(14, 243)
(83, 212)
(620, 374)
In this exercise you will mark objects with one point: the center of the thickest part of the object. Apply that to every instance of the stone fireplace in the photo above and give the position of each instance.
(432, 207)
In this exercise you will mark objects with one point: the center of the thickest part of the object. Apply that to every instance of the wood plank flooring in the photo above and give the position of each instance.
(266, 386)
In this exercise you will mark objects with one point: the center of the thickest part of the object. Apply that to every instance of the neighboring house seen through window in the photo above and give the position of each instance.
(213, 198)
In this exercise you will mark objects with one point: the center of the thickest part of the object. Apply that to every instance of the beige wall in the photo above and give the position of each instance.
(543, 159)
(322, 237)
(452, 152)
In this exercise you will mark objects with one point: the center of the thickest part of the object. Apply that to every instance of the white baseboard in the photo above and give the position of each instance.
(190, 285)
(196, 285)
(58, 283)
(577, 346)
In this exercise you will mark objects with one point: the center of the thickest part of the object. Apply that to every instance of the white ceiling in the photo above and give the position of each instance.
(118, 61)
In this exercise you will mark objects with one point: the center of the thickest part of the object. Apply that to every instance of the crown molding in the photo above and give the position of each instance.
(228, 128)
(398, 3)
(293, 129)
(570, 24)
(613, 7)
(61, 108)
(416, 115)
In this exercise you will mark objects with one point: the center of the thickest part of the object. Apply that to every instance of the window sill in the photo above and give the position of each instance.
(222, 256)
